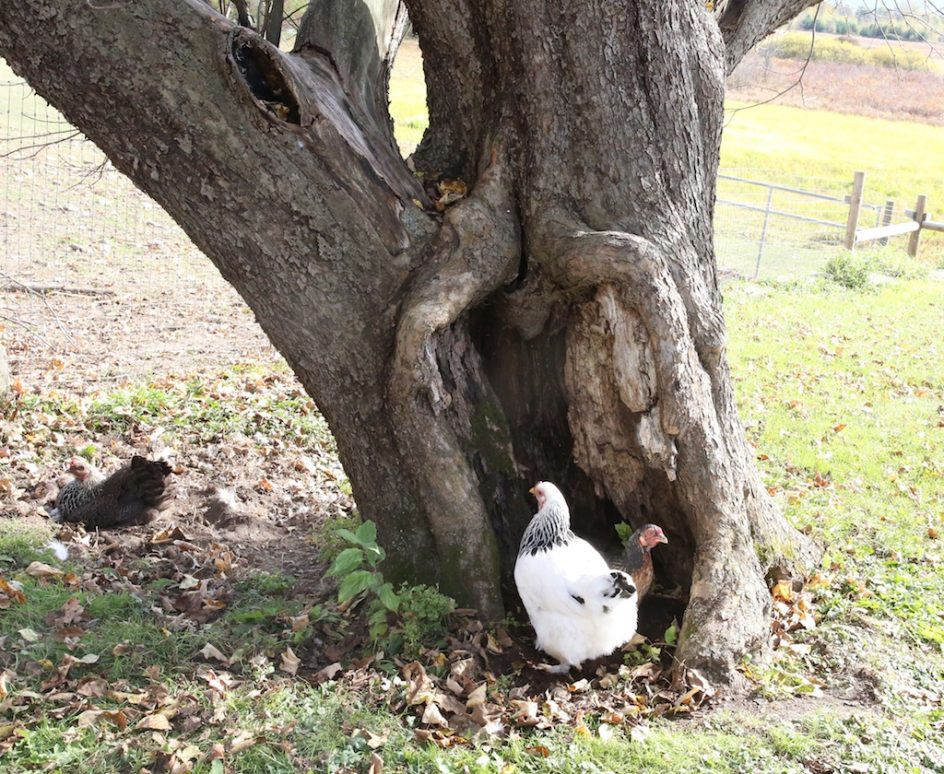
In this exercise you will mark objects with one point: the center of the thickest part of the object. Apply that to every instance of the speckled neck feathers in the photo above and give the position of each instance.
(77, 494)
(550, 527)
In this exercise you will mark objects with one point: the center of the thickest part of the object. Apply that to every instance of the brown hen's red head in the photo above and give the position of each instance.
(79, 468)
(651, 535)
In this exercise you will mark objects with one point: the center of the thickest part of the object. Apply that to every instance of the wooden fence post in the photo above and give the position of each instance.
(855, 205)
(919, 217)
(887, 218)
(763, 231)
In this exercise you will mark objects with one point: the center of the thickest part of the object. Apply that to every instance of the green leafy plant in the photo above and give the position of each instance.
(421, 611)
(624, 531)
(357, 567)
(424, 611)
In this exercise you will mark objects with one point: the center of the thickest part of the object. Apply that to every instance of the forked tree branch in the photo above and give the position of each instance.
(744, 23)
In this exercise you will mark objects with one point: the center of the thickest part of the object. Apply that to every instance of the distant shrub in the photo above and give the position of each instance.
(847, 27)
(796, 45)
(868, 26)
(902, 59)
(844, 269)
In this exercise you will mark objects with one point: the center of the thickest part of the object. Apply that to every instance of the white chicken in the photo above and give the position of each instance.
(580, 609)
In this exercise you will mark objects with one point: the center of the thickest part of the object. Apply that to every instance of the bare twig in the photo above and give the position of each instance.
(40, 147)
(67, 130)
(41, 290)
(797, 82)
(42, 297)
(98, 172)
(30, 329)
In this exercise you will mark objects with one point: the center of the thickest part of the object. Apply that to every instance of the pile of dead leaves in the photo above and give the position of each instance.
(466, 703)
(792, 611)
(485, 686)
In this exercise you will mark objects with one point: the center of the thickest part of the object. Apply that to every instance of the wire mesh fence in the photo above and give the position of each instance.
(67, 216)
(789, 228)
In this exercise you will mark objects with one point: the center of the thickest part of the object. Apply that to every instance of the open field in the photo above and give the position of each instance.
(211, 648)
(818, 150)
(824, 148)
(876, 92)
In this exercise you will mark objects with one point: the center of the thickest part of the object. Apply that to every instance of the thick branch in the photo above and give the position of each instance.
(744, 23)
(360, 38)
(450, 33)
(580, 260)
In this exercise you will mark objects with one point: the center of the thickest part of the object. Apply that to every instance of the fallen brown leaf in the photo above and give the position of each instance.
(41, 570)
(328, 673)
(211, 651)
(154, 722)
(433, 717)
(477, 696)
(290, 662)
(168, 535)
(420, 687)
(242, 741)
(10, 591)
(374, 741)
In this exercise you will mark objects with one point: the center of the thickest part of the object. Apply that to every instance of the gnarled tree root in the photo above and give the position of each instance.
(476, 251)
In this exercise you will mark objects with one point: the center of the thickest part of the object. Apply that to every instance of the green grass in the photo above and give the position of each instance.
(254, 620)
(791, 143)
(109, 619)
(848, 386)
(21, 544)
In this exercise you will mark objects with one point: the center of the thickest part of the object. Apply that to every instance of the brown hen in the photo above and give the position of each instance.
(132, 495)
(637, 556)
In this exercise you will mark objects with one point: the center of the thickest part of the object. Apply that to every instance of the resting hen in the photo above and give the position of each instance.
(637, 556)
(132, 495)
(580, 608)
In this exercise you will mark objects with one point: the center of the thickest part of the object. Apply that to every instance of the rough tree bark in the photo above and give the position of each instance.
(562, 321)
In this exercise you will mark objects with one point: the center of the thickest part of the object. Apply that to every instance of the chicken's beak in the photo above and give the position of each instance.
(662, 538)
(531, 491)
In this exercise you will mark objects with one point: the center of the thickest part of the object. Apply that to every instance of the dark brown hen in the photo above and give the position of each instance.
(637, 557)
(132, 495)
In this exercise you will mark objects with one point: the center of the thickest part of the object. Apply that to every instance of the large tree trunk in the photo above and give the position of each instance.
(561, 322)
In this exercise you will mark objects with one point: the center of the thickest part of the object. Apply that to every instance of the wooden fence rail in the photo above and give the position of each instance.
(855, 221)
(919, 219)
